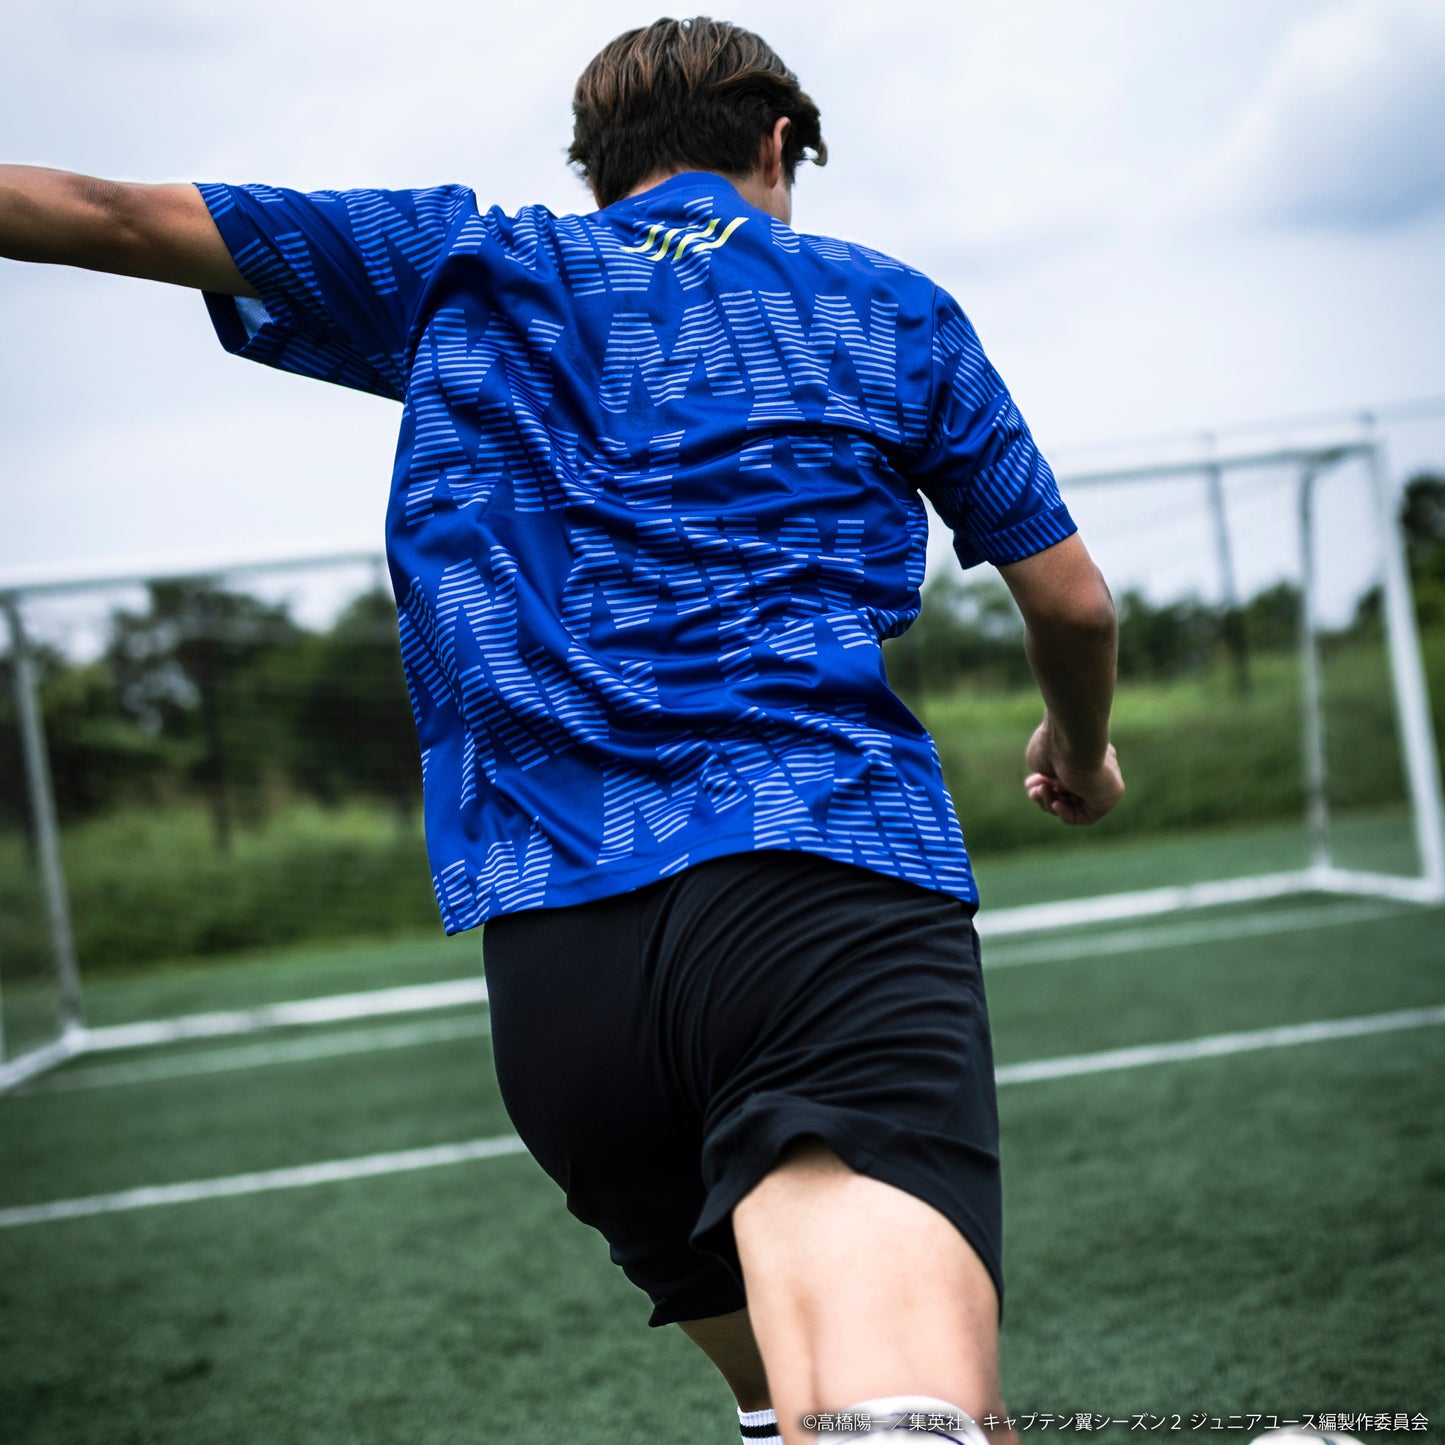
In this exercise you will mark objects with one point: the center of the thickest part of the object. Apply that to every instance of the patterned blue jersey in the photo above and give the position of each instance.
(656, 504)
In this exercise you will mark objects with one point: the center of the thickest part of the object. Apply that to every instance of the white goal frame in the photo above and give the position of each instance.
(1322, 875)
(1412, 712)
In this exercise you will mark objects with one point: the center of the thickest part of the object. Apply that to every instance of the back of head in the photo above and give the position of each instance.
(686, 95)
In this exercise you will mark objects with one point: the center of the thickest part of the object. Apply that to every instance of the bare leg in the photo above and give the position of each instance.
(728, 1342)
(858, 1291)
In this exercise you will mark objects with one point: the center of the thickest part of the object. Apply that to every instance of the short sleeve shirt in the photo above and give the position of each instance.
(656, 504)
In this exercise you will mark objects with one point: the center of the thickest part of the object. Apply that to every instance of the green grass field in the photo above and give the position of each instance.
(1261, 1232)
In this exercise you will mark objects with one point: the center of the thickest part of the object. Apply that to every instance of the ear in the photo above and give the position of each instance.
(772, 151)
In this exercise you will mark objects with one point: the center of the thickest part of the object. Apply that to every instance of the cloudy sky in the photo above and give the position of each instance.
(1162, 218)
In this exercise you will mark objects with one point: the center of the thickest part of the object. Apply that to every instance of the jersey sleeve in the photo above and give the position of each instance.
(339, 274)
(978, 465)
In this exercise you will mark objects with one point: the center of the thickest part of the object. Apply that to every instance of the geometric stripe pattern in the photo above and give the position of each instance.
(656, 502)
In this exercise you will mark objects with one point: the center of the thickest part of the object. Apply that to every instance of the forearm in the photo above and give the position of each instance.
(1072, 637)
(159, 233)
(1074, 661)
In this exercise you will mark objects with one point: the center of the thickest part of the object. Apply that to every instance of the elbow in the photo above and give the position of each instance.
(1082, 614)
(1096, 618)
(110, 223)
(101, 225)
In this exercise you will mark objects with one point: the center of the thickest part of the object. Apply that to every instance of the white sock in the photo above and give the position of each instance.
(922, 1417)
(759, 1427)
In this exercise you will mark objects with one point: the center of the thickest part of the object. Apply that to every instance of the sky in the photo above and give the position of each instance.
(1164, 221)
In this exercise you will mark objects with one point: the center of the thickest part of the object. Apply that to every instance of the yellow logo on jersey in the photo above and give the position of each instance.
(696, 238)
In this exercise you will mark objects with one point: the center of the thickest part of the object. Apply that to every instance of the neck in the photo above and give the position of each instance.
(775, 199)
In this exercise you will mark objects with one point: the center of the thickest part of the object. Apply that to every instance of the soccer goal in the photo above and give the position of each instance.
(216, 758)
(190, 755)
(1267, 615)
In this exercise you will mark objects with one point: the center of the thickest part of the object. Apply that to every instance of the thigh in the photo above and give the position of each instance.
(827, 1001)
(859, 1291)
(577, 1065)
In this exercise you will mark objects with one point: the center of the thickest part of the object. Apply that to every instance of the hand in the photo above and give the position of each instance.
(1074, 795)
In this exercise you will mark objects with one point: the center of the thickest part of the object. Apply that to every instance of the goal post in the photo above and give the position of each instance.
(1407, 665)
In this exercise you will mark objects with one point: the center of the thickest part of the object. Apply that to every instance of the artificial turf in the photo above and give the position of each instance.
(1260, 1233)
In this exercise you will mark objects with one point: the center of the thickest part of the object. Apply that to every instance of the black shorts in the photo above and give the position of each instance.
(657, 1050)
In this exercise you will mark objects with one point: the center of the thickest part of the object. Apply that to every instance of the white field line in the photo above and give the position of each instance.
(369, 1167)
(1150, 902)
(250, 1056)
(337, 1008)
(1217, 1045)
(1186, 932)
(373, 1165)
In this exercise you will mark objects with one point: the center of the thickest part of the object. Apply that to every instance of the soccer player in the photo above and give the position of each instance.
(657, 502)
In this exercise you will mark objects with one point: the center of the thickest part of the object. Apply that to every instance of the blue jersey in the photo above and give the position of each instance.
(656, 504)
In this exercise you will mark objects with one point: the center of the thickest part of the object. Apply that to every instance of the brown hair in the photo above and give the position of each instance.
(686, 95)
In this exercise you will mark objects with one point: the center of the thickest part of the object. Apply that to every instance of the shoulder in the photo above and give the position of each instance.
(861, 271)
(533, 236)
(834, 248)
(370, 206)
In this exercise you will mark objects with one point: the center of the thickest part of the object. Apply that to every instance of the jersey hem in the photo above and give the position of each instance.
(594, 887)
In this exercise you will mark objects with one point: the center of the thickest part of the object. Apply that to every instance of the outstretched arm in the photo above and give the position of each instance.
(1072, 640)
(159, 233)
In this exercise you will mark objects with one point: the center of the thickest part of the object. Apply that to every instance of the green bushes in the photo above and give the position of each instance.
(1196, 753)
(150, 883)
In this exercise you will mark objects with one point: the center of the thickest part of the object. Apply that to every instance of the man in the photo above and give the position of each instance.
(656, 504)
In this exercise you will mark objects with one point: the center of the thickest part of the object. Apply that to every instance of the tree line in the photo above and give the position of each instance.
(969, 631)
(214, 694)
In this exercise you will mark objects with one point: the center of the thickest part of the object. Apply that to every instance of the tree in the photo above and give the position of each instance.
(188, 670)
(97, 755)
(1422, 516)
(1272, 618)
(354, 728)
(1166, 639)
(967, 628)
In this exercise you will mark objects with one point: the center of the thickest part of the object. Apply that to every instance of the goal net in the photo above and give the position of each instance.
(219, 761)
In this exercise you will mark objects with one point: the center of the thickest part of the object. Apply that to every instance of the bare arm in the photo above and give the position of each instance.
(159, 233)
(1072, 641)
